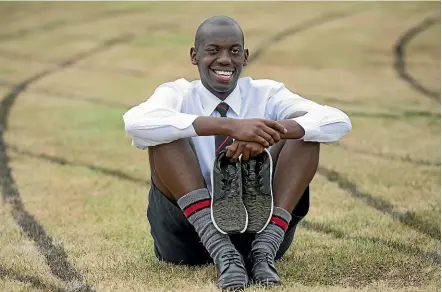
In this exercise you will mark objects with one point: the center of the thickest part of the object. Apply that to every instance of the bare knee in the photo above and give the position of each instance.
(175, 169)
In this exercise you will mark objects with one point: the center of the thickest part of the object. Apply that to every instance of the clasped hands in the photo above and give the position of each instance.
(252, 136)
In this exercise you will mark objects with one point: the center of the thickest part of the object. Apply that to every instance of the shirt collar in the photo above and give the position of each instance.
(210, 101)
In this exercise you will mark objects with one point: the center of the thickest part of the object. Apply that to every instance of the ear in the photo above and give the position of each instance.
(246, 57)
(193, 56)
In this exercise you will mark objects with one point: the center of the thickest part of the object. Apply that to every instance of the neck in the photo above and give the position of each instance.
(221, 95)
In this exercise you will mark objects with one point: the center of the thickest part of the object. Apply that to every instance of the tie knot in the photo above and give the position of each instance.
(222, 108)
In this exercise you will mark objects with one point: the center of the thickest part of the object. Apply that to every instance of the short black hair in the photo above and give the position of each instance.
(215, 20)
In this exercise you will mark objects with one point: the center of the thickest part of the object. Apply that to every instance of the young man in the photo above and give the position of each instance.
(231, 160)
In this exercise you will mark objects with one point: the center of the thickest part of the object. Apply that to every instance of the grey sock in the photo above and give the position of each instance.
(272, 236)
(196, 207)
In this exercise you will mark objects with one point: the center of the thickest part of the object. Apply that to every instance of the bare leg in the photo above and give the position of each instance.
(175, 169)
(296, 165)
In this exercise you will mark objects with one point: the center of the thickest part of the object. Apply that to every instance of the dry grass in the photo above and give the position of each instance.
(374, 222)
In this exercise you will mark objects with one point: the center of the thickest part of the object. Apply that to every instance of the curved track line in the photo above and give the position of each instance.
(100, 69)
(55, 255)
(34, 281)
(399, 55)
(290, 31)
(73, 96)
(56, 24)
(408, 218)
(62, 161)
(432, 257)
(406, 159)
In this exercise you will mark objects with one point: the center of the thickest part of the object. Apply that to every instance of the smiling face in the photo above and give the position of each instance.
(220, 57)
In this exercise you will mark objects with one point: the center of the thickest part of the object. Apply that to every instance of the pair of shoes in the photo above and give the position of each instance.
(242, 198)
(262, 269)
(231, 271)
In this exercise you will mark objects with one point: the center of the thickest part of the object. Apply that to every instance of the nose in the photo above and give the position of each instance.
(224, 58)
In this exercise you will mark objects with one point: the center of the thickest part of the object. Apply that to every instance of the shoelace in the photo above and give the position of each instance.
(228, 181)
(260, 256)
(231, 257)
(254, 179)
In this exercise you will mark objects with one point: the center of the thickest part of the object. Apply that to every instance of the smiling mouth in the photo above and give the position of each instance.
(223, 73)
(223, 76)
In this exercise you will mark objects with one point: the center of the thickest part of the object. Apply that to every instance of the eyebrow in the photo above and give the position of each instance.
(217, 45)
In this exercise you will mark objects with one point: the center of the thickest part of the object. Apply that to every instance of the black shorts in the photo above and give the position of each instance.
(176, 241)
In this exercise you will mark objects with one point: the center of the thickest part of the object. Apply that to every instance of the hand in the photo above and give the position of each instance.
(247, 149)
(265, 132)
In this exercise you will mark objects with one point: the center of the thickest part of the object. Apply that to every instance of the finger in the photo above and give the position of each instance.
(238, 151)
(256, 151)
(262, 141)
(275, 125)
(275, 135)
(266, 136)
(246, 154)
(231, 149)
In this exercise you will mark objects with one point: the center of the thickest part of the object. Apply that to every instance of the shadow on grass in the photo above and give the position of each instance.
(408, 218)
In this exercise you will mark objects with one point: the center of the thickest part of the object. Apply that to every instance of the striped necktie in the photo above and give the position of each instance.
(221, 142)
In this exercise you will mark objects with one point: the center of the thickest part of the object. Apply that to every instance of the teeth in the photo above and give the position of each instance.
(224, 73)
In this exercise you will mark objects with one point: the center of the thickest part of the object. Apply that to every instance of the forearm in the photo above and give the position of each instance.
(210, 126)
(324, 126)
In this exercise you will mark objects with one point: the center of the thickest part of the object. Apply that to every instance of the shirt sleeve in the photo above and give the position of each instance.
(158, 120)
(321, 123)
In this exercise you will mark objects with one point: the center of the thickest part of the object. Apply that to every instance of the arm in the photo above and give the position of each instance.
(308, 120)
(159, 120)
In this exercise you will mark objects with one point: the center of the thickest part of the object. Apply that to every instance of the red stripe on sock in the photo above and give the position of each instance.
(196, 207)
(280, 222)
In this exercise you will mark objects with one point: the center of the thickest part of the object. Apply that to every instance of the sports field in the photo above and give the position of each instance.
(74, 191)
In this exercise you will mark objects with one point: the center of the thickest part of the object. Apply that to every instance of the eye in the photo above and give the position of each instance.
(211, 51)
(236, 51)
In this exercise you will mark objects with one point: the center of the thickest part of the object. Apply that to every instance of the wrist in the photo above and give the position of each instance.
(227, 126)
(294, 130)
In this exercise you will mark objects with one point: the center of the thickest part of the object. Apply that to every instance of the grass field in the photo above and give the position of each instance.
(74, 192)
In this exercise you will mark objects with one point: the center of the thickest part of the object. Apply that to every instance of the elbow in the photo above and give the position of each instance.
(344, 128)
(348, 125)
(130, 128)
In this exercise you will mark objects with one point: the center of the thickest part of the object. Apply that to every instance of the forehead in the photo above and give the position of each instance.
(222, 35)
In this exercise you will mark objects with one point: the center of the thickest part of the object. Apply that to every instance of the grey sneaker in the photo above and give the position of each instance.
(227, 211)
(257, 191)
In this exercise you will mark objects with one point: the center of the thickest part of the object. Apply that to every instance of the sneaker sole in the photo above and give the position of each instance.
(260, 208)
(229, 215)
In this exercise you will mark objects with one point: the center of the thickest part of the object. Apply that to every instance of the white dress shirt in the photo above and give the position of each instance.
(169, 113)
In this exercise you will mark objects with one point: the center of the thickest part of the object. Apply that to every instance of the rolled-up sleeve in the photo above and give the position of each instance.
(321, 123)
(158, 120)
